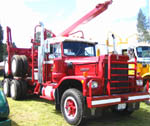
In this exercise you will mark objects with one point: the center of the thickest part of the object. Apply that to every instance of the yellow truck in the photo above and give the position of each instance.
(142, 53)
(140, 50)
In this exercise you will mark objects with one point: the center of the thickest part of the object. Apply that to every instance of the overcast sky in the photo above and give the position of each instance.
(57, 15)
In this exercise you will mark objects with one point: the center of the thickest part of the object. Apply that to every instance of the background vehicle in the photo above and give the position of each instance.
(68, 71)
(141, 51)
(4, 110)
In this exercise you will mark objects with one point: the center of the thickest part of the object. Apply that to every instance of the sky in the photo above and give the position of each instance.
(22, 16)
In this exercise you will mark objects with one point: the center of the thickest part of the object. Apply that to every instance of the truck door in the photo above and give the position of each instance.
(57, 66)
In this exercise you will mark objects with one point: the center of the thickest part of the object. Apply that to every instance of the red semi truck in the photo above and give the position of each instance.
(67, 70)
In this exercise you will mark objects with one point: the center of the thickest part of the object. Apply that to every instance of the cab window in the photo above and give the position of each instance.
(55, 50)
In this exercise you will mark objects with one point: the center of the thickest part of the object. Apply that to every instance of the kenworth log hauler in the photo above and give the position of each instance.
(68, 71)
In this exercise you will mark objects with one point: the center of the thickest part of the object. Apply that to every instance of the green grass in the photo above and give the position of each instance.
(1, 78)
(39, 112)
(34, 112)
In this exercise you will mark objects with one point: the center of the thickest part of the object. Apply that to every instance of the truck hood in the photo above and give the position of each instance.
(82, 60)
(83, 64)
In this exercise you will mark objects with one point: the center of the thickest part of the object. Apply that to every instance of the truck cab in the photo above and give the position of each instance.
(67, 51)
(142, 53)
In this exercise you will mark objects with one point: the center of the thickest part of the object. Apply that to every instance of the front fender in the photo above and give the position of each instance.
(146, 76)
(83, 80)
(79, 78)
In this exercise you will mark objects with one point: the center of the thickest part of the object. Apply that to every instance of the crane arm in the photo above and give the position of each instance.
(92, 14)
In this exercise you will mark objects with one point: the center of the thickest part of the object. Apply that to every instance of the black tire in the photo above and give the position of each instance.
(147, 102)
(145, 88)
(6, 87)
(23, 86)
(73, 113)
(15, 90)
(6, 67)
(16, 66)
(124, 112)
(24, 64)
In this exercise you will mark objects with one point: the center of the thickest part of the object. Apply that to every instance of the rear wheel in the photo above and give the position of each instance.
(6, 87)
(16, 65)
(15, 89)
(23, 88)
(24, 65)
(72, 106)
(6, 68)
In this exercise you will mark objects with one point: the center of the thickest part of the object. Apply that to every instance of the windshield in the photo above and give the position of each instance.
(143, 51)
(72, 48)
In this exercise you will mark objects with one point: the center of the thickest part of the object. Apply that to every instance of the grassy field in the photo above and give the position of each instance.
(34, 112)
(39, 112)
(1, 78)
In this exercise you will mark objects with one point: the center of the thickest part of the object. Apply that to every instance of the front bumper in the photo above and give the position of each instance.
(104, 101)
(6, 122)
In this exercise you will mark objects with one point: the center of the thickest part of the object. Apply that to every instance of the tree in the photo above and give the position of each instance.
(142, 27)
(1, 34)
(1, 44)
(3, 51)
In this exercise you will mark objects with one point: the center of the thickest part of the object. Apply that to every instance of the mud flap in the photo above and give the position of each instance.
(57, 100)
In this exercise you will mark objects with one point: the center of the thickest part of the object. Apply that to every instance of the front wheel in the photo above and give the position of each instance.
(145, 88)
(72, 106)
(148, 101)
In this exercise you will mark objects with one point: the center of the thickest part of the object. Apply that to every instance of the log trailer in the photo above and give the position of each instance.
(67, 70)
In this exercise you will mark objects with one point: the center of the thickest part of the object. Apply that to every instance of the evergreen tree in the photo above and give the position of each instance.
(142, 27)
(1, 34)
(1, 44)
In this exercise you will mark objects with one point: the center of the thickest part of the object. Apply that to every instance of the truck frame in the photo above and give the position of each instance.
(66, 69)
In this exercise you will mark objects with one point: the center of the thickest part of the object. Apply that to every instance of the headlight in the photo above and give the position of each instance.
(139, 82)
(94, 84)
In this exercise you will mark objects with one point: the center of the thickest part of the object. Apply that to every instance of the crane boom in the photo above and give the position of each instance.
(90, 15)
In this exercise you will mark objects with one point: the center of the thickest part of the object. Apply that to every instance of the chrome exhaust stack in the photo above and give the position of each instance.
(41, 55)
